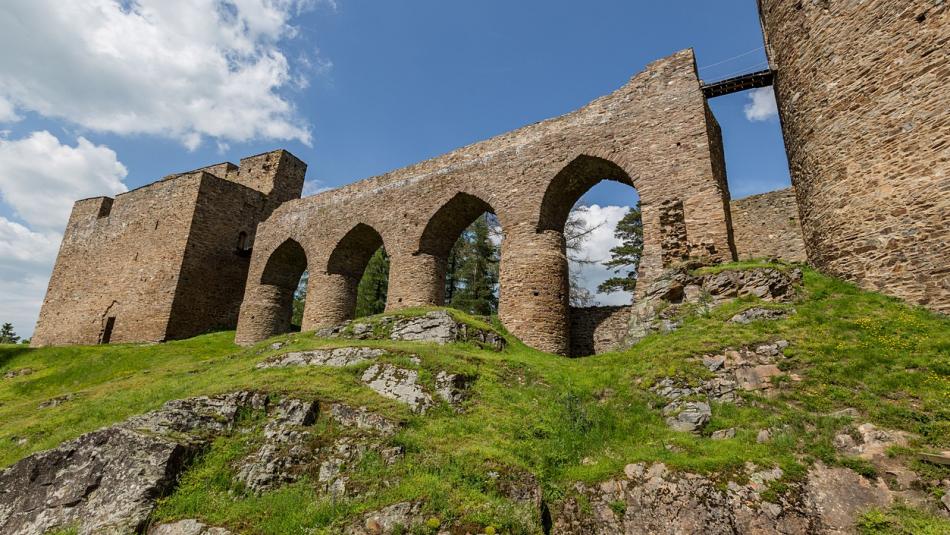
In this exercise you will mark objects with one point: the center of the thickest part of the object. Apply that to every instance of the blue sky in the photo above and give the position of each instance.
(354, 88)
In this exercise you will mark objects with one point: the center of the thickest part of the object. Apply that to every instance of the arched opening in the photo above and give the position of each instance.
(280, 280)
(591, 213)
(359, 267)
(463, 240)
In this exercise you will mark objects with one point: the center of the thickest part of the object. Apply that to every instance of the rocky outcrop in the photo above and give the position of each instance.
(759, 314)
(186, 527)
(664, 301)
(398, 383)
(335, 358)
(19, 372)
(107, 481)
(361, 418)
(653, 499)
(403, 385)
(285, 450)
(437, 326)
(395, 518)
(745, 369)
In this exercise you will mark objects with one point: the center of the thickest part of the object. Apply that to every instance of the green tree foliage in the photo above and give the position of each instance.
(576, 233)
(371, 292)
(300, 297)
(625, 258)
(7, 336)
(472, 271)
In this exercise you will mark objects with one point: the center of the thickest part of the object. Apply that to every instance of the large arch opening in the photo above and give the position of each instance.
(591, 210)
(462, 240)
(358, 269)
(280, 280)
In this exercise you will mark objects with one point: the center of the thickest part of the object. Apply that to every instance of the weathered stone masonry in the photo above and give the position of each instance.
(767, 226)
(170, 260)
(655, 133)
(167, 260)
(863, 97)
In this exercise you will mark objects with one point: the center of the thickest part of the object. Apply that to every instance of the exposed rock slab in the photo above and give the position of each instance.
(362, 418)
(662, 302)
(652, 499)
(188, 526)
(107, 481)
(758, 314)
(285, 451)
(745, 369)
(398, 383)
(437, 326)
(335, 357)
(398, 516)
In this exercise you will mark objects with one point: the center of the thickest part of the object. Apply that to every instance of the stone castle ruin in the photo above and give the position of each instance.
(867, 137)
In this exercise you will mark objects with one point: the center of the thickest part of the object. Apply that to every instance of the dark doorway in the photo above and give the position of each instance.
(107, 332)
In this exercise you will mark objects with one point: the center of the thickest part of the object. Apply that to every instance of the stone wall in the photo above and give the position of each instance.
(654, 133)
(767, 226)
(863, 97)
(162, 260)
(596, 330)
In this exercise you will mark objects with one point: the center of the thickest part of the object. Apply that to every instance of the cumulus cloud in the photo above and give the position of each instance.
(7, 113)
(761, 105)
(39, 180)
(183, 69)
(596, 248)
(26, 260)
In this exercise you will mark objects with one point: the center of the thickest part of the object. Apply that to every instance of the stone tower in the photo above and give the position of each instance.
(164, 261)
(863, 97)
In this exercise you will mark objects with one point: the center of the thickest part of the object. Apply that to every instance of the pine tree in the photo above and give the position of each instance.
(7, 336)
(476, 271)
(372, 290)
(300, 298)
(626, 256)
(576, 233)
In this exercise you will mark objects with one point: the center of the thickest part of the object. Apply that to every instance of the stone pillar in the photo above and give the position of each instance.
(415, 280)
(266, 312)
(331, 300)
(534, 288)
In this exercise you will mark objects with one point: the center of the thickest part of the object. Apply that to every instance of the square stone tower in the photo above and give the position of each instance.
(167, 260)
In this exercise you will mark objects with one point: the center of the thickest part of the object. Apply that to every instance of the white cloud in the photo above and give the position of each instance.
(761, 105)
(41, 178)
(7, 113)
(313, 187)
(26, 260)
(597, 248)
(183, 69)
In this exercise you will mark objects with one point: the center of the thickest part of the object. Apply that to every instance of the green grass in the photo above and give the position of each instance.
(902, 520)
(563, 420)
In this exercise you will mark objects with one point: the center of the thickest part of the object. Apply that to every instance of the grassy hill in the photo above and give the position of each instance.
(562, 420)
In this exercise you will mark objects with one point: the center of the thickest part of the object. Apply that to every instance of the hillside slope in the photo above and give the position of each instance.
(519, 441)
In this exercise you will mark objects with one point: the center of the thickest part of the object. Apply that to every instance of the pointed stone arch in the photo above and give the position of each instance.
(334, 290)
(271, 310)
(570, 183)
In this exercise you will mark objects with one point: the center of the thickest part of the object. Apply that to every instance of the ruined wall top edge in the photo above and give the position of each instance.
(519, 139)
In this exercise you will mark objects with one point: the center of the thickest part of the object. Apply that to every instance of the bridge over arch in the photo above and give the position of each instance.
(655, 133)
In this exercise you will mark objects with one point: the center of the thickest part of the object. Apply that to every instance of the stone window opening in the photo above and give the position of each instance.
(463, 242)
(106, 336)
(243, 248)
